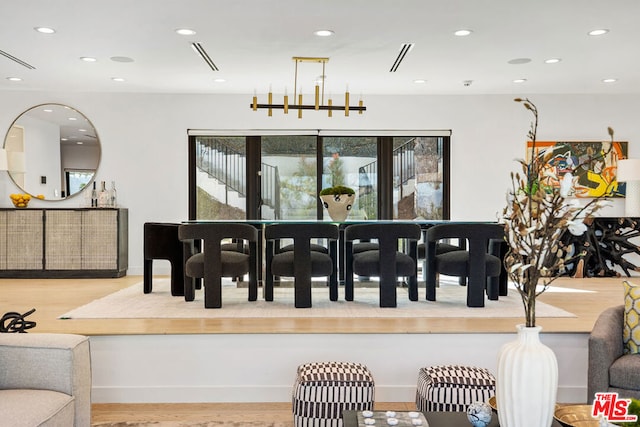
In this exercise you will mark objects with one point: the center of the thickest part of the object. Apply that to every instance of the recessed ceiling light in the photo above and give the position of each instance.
(323, 33)
(121, 59)
(88, 59)
(82, 130)
(552, 60)
(520, 80)
(462, 33)
(45, 30)
(72, 119)
(117, 79)
(419, 81)
(14, 79)
(517, 61)
(79, 142)
(185, 31)
(219, 80)
(598, 32)
(48, 110)
(609, 80)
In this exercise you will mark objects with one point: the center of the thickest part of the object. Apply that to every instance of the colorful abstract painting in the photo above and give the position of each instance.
(593, 166)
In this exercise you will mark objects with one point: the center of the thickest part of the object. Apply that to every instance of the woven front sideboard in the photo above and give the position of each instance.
(61, 243)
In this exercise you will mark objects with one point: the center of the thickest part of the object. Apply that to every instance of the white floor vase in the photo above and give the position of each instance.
(527, 381)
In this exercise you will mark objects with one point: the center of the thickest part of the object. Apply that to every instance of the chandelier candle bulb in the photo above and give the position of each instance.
(286, 100)
(346, 103)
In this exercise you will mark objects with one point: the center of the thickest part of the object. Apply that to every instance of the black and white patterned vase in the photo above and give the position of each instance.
(338, 206)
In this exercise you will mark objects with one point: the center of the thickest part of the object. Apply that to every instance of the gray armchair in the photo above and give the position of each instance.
(609, 368)
(45, 380)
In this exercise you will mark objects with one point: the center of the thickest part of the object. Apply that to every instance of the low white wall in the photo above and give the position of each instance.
(261, 367)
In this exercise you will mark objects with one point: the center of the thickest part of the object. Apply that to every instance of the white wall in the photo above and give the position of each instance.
(262, 367)
(144, 141)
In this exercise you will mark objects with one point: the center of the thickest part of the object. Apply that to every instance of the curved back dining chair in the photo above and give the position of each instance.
(305, 261)
(441, 248)
(161, 242)
(479, 262)
(386, 262)
(213, 262)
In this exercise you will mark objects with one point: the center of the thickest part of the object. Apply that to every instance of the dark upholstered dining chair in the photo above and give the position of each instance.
(161, 242)
(441, 248)
(387, 262)
(213, 262)
(305, 261)
(477, 263)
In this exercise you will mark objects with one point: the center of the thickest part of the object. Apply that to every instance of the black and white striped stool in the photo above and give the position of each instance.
(453, 387)
(322, 390)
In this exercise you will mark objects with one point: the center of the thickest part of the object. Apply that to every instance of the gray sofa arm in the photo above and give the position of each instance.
(58, 362)
(605, 346)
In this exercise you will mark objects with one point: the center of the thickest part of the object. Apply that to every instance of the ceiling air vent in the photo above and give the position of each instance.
(16, 60)
(204, 55)
(404, 49)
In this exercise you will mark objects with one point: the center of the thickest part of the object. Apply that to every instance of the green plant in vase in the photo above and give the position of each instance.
(337, 189)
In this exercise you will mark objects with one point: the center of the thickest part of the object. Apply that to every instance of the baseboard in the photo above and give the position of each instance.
(227, 394)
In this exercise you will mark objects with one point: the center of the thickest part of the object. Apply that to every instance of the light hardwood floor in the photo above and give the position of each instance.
(202, 412)
(52, 297)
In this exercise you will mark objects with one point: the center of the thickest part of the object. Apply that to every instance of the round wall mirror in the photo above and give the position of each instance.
(53, 151)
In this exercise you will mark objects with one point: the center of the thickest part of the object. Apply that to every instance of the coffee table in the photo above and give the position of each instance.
(435, 419)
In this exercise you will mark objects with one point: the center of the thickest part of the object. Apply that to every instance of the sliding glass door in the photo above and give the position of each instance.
(271, 176)
(418, 178)
(288, 175)
(352, 162)
(220, 177)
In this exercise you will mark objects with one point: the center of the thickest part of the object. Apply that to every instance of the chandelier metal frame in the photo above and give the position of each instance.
(318, 98)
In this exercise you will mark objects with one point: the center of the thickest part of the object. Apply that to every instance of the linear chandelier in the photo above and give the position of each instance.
(318, 99)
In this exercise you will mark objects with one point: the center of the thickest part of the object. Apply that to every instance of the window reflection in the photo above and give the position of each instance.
(289, 182)
(352, 162)
(418, 178)
(221, 177)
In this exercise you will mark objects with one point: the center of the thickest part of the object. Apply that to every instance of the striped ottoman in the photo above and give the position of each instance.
(322, 390)
(453, 387)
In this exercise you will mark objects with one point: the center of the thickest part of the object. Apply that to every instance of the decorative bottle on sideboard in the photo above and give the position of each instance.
(94, 196)
(113, 195)
(103, 196)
